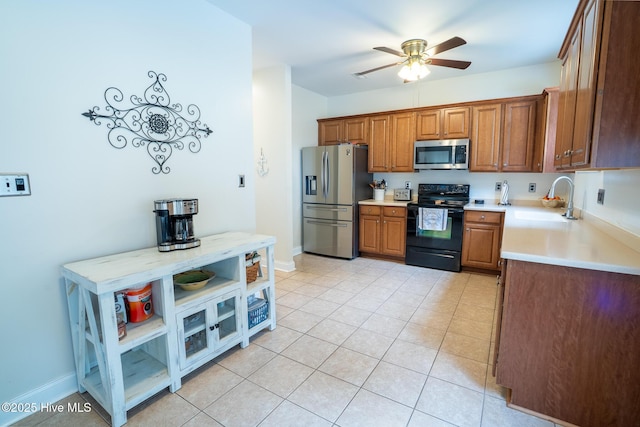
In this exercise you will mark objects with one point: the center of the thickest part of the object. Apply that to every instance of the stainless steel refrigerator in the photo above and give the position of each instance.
(335, 178)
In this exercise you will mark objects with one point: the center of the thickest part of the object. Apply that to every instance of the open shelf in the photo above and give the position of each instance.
(221, 284)
(139, 333)
(142, 374)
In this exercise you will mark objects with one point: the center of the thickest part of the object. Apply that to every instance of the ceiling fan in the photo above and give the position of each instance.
(417, 57)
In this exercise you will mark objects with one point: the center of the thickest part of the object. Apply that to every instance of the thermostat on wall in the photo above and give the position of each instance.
(14, 184)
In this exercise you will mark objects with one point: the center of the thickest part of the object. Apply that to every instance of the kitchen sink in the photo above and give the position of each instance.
(539, 216)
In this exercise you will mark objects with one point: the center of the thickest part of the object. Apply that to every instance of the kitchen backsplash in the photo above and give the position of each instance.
(482, 184)
(621, 206)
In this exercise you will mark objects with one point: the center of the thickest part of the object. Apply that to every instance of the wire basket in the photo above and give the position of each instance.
(258, 312)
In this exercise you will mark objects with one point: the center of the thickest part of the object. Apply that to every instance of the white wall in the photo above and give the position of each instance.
(273, 140)
(473, 87)
(90, 199)
(307, 108)
(621, 202)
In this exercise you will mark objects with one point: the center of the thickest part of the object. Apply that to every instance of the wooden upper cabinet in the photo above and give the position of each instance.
(428, 124)
(339, 131)
(519, 136)
(485, 138)
(455, 123)
(402, 137)
(356, 130)
(391, 140)
(329, 132)
(505, 136)
(378, 143)
(598, 122)
(442, 123)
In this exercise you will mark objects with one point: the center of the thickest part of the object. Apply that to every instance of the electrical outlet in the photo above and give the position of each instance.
(407, 184)
(498, 186)
(532, 187)
(240, 180)
(601, 196)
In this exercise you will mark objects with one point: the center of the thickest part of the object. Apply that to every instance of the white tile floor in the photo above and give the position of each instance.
(358, 343)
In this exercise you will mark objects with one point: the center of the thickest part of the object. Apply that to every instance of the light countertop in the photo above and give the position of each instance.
(385, 202)
(536, 234)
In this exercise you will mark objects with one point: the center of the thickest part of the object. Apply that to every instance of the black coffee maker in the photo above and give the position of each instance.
(174, 224)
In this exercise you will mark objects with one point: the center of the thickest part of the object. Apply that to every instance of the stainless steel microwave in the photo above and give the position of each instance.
(441, 154)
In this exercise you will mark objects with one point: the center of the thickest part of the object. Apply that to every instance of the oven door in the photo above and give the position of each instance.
(450, 238)
(434, 249)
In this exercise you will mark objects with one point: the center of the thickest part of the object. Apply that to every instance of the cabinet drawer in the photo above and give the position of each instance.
(483, 216)
(394, 211)
(370, 210)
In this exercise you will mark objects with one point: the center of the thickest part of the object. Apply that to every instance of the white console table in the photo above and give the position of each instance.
(188, 328)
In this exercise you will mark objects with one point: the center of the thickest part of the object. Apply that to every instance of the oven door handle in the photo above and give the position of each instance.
(435, 254)
(451, 210)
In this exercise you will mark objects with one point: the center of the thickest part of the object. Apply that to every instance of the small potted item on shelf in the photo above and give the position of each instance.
(252, 263)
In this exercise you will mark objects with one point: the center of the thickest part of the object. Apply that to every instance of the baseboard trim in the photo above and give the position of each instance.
(39, 397)
(285, 266)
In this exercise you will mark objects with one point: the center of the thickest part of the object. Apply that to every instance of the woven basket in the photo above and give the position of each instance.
(252, 266)
(252, 272)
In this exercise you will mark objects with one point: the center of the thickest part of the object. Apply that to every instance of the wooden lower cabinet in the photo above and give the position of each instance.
(569, 343)
(481, 239)
(383, 230)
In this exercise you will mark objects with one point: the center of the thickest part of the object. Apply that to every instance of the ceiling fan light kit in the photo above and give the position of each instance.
(413, 70)
(417, 57)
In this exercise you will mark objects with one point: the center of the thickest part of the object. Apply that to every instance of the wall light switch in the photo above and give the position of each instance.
(14, 184)
(240, 180)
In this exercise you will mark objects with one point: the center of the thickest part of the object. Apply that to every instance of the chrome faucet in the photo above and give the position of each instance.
(569, 213)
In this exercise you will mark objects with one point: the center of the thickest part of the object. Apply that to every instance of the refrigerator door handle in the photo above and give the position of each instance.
(327, 174)
(329, 224)
(322, 173)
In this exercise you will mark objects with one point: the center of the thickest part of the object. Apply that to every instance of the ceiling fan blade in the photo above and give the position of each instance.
(391, 51)
(446, 45)
(462, 65)
(362, 73)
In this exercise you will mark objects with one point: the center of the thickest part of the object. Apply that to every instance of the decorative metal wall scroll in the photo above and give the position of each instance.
(151, 121)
